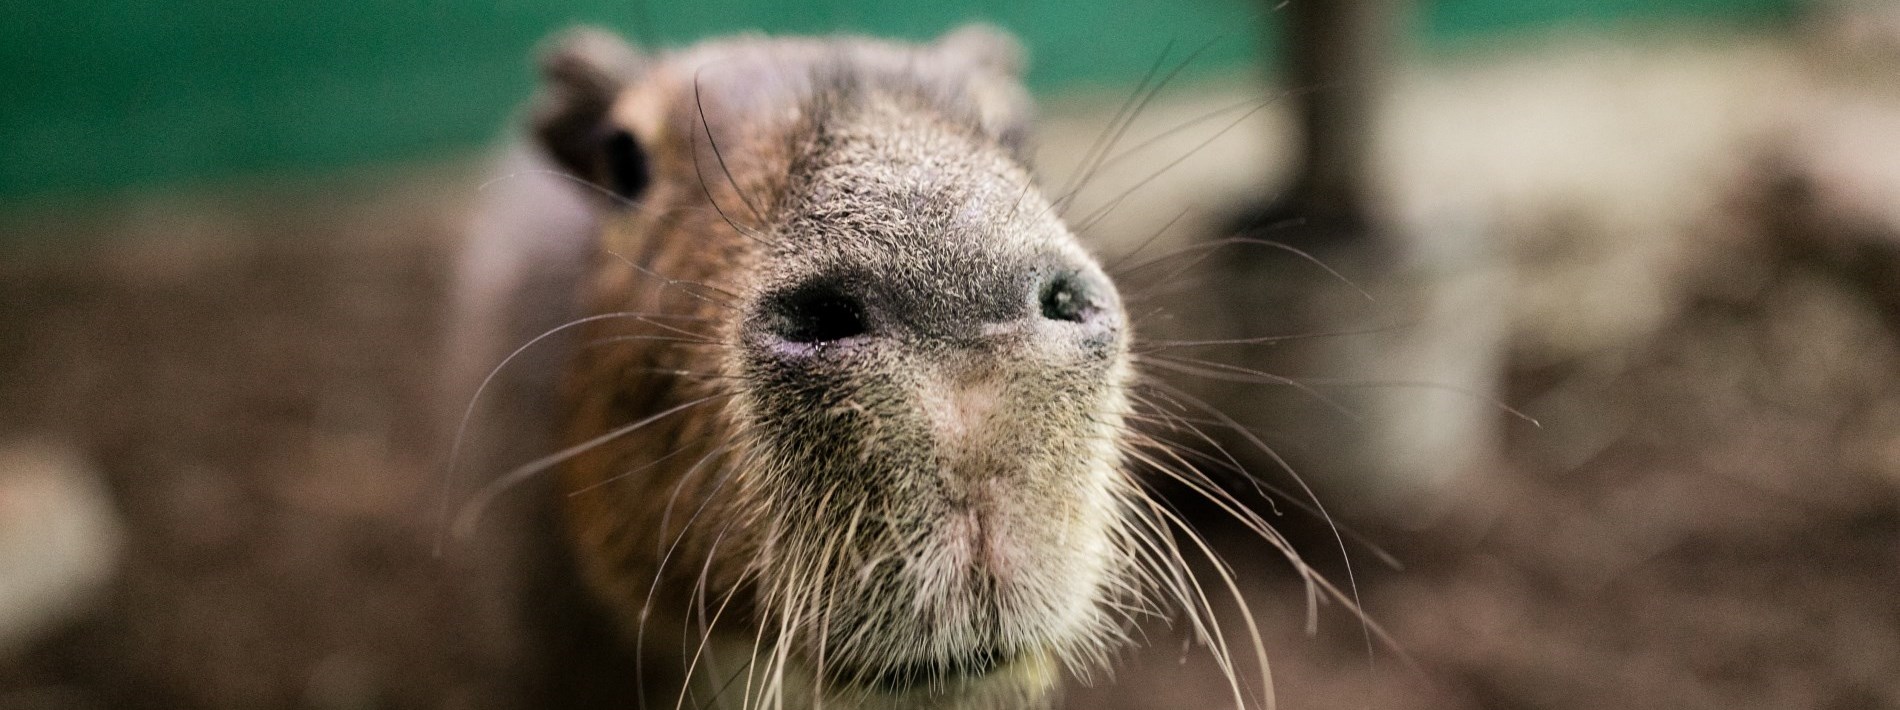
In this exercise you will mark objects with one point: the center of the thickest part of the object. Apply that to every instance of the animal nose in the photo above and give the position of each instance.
(818, 312)
(939, 303)
(1066, 296)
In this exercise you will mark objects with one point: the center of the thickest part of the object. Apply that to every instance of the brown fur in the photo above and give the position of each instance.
(927, 515)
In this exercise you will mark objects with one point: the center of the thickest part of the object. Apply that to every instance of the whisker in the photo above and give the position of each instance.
(1246, 613)
(616, 339)
(1190, 123)
(1123, 259)
(1199, 484)
(694, 149)
(700, 585)
(682, 284)
(564, 175)
(705, 635)
(1177, 422)
(1231, 373)
(741, 231)
(476, 507)
(1367, 626)
(744, 669)
(1146, 550)
(1154, 290)
(1122, 130)
(624, 474)
(676, 372)
(468, 414)
(666, 514)
(1154, 346)
(682, 331)
(700, 106)
(1262, 488)
(1225, 242)
(1101, 139)
(1496, 403)
(789, 619)
(1268, 491)
(1170, 571)
(659, 571)
(1193, 596)
(752, 665)
(1102, 212)
(823, 565)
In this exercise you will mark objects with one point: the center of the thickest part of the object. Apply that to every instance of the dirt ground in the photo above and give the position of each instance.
(251, 376)
(1708, 517)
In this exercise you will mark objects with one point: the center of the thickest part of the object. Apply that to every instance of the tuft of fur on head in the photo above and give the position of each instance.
(849, 427)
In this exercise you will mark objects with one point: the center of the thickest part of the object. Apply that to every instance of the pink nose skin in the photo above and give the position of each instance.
(966, 414)
(960, 410)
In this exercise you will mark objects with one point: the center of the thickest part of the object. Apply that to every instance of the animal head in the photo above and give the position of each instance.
(912, 381)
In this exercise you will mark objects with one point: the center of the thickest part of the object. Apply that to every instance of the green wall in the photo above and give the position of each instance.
(109, 94)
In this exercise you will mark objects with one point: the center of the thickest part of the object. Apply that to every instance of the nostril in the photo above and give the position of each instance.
(1066, 298)
(819, 314)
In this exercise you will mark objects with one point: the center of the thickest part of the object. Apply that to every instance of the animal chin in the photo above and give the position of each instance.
(930, 674)
(962, 622)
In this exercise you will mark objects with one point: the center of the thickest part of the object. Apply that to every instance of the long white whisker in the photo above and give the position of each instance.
(1367, 626)
(1203, 369)
(475, 508)
(1246, 613)
(468, 413)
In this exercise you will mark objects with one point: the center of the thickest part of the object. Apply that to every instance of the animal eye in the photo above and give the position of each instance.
(819, 314)
(626, 165)
(1063, 298)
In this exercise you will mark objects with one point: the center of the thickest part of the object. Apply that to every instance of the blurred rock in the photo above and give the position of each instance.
(59, 538)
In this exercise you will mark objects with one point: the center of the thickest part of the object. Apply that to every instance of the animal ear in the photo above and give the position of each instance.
(993, 81)
(986, 46)
(583, 71)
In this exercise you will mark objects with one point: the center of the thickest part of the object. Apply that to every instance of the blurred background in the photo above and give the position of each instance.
(116, 94)
(1587, 315)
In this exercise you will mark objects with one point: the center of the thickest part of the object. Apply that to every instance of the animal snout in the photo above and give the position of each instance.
(935, 304)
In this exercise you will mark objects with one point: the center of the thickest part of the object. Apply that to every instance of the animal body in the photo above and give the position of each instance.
(846, 418)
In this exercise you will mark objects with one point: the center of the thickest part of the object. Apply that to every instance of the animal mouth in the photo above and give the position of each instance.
(928, 673)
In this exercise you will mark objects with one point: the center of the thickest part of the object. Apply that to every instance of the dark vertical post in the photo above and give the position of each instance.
(1341, 60)
(1339, 56)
